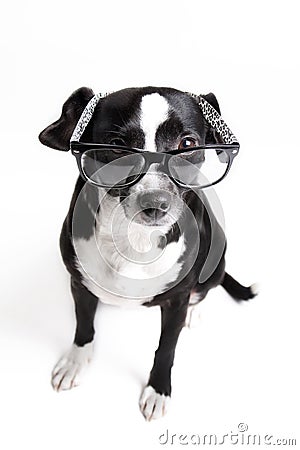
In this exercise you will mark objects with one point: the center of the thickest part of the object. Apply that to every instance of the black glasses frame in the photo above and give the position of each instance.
(79, 148)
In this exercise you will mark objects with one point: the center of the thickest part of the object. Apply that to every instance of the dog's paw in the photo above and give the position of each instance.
(153, 405)
(193, 316)
(65, 373)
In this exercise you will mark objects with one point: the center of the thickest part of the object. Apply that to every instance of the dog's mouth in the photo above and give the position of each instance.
(153, 217)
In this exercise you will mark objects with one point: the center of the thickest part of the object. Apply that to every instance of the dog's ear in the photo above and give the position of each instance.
(212, 100)
(58, 134)
(212, 137)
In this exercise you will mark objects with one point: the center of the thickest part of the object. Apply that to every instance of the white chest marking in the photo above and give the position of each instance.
(115, 279)
(154, 111)
(123, 264)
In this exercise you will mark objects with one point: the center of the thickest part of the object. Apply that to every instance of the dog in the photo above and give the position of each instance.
(146, 240)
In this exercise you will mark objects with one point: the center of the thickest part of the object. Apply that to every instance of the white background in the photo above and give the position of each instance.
(242, 363)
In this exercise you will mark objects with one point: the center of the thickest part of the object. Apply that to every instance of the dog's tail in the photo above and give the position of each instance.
(237, 290)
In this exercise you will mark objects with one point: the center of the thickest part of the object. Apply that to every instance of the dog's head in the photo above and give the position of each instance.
(150, 119)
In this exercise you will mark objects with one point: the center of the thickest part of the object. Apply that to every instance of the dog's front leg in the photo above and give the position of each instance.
(156, 395)
(65, 373)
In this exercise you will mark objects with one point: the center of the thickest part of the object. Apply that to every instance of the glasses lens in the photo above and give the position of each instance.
(199, 167)
(108, 167)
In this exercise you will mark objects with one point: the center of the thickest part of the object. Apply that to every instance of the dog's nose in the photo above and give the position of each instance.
(155, 203)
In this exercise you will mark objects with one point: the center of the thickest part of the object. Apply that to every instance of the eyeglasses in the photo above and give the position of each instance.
(113, 166)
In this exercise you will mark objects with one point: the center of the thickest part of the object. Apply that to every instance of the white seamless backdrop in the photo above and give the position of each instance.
(242, 364)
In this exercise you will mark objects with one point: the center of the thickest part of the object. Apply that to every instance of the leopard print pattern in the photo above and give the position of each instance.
(210, 114)
(86, 117)
(215, 120)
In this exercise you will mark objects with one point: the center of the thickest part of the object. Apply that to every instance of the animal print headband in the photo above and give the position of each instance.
(210, 114)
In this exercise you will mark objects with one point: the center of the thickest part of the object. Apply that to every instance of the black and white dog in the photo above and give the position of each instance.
(138, 230)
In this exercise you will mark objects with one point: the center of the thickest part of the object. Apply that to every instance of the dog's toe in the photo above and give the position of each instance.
(152, 404)
(65, 373)
(67, 377)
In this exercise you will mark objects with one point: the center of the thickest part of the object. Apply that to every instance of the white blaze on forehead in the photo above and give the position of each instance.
(154, 111)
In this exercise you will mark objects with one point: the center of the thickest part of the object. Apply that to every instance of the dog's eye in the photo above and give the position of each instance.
(186, 143)
(117, 141)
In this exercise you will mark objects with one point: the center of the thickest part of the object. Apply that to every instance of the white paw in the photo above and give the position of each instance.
(193, 316)
(65, 373)
(153, 405)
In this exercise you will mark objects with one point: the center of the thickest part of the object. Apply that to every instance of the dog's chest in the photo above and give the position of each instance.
(128, 269)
